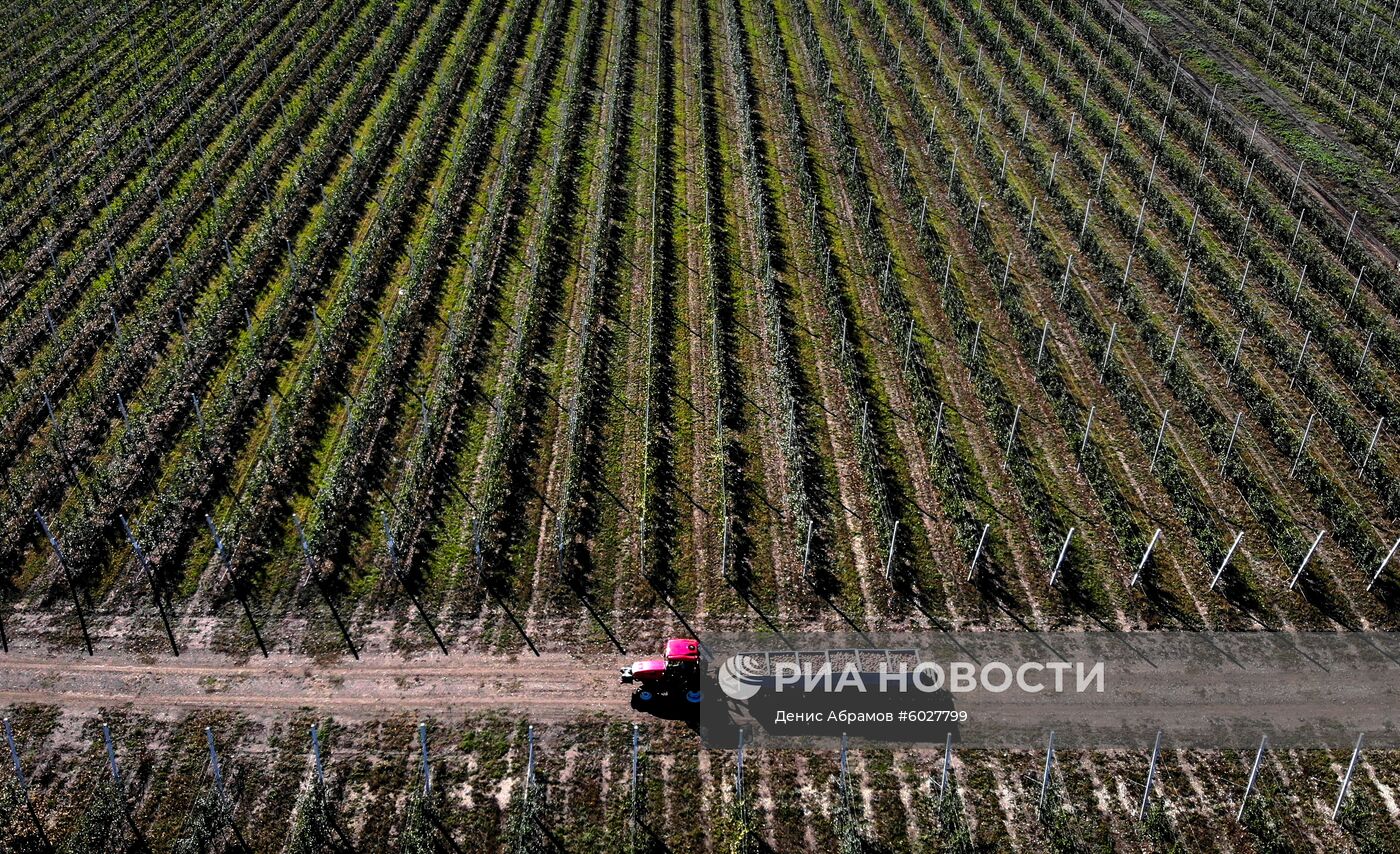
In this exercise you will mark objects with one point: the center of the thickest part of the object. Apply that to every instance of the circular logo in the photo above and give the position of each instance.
(740, 677)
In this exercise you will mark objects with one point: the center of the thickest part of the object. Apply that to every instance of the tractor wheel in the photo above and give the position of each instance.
(693, 696)
(645, 696)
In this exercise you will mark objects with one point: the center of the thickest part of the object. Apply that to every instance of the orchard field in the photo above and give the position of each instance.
(414, 330)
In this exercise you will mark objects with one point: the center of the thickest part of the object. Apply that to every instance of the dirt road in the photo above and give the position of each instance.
(555, 686)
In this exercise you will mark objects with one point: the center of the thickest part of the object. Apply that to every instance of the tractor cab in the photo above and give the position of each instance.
(682, 650)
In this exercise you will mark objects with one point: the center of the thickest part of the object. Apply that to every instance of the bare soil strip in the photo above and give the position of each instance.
(554, 686)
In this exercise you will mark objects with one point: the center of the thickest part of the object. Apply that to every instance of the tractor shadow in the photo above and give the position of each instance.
(669, 708)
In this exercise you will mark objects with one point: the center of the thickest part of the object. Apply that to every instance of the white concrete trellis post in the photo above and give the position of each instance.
(1054, 573)
(1011, 436)
(1045, 776)
(1253, 775)
(634, 767)
(889, 559)
(1108, 351)
(1355, 288)
(219, 548)
(978, 552)
(214, 765)
(1297, 228)
(807, 548)
(842, 763)
(1156, 449)
(1298, 459)
(739, 765)
(1084, 442)
(316, 755)
(111, 756)
(1346, 780)
(427, 765)
(1176, 339)
(947, 761)
(1145, 555)
(1307, 557)
(529, 759)
(1229, 554)
(1366, 458)
(1229, 446)
(724, 549)
(14, 758)
(1151, 770)
(198, 413)
(1381, 568)
(1235, 358)
(1302, 353)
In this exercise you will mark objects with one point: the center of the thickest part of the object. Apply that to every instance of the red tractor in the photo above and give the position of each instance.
(673, 680)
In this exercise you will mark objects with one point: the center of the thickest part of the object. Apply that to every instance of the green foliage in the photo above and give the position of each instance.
(1152, 16)
(638, 840)
(525, 828)
(418, 832)
(1370, 826)
(488, 741)
(16, 823)
(1262, 822)
(312, 830)
(1320, 153)
(1158, 828)
(206, 825)
(102, 827)
(738, 827)
(952, 835)
(846, 821)
(1067, 832)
